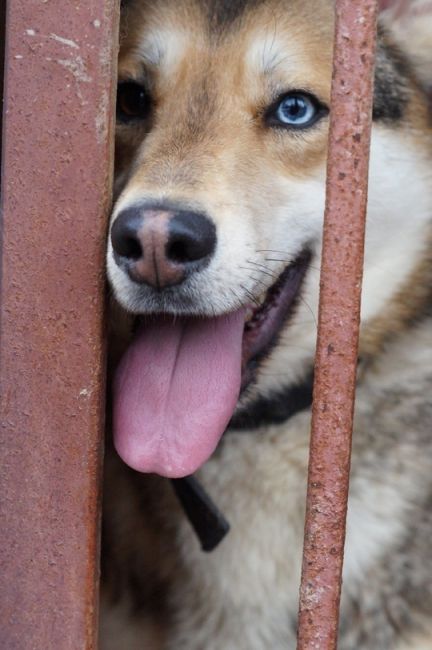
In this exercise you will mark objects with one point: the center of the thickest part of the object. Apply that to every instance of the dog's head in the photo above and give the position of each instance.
(223, 112)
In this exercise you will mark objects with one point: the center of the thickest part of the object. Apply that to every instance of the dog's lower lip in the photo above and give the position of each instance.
(265, 322)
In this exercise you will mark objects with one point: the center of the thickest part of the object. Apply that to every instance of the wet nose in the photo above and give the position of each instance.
(162, 247)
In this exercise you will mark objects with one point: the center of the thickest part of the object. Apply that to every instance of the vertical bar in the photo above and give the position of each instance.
(2, 58)
(56, 176)
(339, 311)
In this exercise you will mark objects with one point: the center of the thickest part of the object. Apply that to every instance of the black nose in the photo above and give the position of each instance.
(160, 246)
(192, 237)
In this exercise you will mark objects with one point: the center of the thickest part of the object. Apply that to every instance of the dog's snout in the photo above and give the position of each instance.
(161, 247)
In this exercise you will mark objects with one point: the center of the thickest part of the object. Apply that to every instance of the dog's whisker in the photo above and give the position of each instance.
(309, 308)
(285, 261)
(261, 282)
(270, 250)
(264, 269)
(277, 259)
(236, 297)
(250, 295)
(253, 278)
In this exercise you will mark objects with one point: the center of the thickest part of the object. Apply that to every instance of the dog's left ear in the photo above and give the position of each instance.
(410, 21)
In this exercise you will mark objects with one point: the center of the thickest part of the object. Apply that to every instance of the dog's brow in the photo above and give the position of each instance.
(162, 47)
(267, 52)
(151, 52)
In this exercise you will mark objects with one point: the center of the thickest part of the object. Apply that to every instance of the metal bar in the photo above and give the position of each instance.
(56, 175)
(337, 346)
(2, 60)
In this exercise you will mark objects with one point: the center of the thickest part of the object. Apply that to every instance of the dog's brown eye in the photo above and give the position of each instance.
(133, 101)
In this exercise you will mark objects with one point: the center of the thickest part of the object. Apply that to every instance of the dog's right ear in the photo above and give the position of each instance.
(410, 21)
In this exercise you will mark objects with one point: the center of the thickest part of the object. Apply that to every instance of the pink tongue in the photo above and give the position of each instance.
(175, 391)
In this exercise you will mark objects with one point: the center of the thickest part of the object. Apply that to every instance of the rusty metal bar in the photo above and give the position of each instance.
(56, 175)
(337, 346)
(2, 57)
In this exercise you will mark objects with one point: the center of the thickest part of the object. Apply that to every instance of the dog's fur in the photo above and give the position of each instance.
(213, 66)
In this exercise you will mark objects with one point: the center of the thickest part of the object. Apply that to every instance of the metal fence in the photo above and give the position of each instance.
(57, 137)
(56, 177)
(338, 324)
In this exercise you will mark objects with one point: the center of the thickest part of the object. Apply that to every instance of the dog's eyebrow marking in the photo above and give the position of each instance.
(163, 47)
(268, 52)
(151, 50)
(271, 53)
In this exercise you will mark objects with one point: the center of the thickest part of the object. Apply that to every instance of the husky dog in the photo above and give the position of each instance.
(214, 251)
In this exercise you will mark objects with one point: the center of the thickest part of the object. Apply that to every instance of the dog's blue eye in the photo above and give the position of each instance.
(296, 110)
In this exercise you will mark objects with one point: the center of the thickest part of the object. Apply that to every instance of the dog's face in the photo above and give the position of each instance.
(223, 112)
(228, 123)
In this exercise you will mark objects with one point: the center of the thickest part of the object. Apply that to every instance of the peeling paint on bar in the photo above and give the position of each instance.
(56, 179)
(337, 349)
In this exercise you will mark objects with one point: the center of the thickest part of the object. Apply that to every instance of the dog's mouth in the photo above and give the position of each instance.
(179, 382)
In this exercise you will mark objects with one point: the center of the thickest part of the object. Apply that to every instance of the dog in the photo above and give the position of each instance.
(213, 258)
